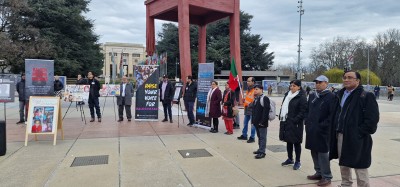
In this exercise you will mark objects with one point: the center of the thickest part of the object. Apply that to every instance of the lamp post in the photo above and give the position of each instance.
(301, 12)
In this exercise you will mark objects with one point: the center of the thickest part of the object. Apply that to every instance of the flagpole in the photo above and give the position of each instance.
(240, 86)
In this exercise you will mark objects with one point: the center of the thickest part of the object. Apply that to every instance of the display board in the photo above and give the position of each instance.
(109, 90)
(178, 91)
(39, 77)
(205, 77)
(147, 92)
(74, 93)
(7, 88)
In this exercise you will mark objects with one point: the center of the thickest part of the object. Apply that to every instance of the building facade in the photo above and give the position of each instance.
(130, 53)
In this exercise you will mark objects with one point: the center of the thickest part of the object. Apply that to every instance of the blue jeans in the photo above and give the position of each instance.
(189, 109)
(247, 118)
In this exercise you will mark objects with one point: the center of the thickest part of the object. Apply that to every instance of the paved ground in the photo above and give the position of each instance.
(146, 154)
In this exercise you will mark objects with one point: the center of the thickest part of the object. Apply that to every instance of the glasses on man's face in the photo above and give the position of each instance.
(348, 78)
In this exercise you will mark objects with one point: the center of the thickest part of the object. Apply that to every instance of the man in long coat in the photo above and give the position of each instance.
(166, 96)
(125, 99)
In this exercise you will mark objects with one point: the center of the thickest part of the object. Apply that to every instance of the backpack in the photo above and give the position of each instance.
(272, 110)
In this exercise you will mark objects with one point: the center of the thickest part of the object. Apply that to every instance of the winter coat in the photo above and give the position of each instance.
(94, 88)
(190, 92)
(215, 104)
(229, 103)
(21, 90)
(58, 85)
(169, 92)
(260, 115)
(291, 130)
(128, 94)
(360, 117)
(319, 121)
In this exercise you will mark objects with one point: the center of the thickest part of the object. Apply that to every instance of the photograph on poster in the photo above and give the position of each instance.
(109, 90)
(42, 120)
(75, 93)
(142, 73)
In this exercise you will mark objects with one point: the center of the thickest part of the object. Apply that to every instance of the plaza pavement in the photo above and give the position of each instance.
(146, 154)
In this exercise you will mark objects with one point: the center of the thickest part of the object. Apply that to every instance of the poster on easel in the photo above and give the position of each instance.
(205, 77)
(76, 93)
(7, 88)
(39, 77)
(146, 108)
(109, 90)
(44, 117)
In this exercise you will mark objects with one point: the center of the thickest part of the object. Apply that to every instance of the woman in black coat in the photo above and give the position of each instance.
(294, 107)
(213, 106)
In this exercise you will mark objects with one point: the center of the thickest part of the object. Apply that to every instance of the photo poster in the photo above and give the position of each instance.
(39, 77)
(109, 90)
(44, 117)
(283, 87)
(273, 83)
(205, 77)
(7, 88)
(178, 92)
(75, 93)
(146, 108)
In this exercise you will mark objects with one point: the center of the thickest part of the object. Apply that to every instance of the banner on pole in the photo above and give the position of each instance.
(147, 92)
(39, 77)
(205, 77)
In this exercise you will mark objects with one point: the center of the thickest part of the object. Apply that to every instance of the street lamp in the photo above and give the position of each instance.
(301, 12)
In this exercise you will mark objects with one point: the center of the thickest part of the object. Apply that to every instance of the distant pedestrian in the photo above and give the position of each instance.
(377, 90)
(259, 118)
(294, 107)
(124, 100)
(166, 96)
(213, 106)
(390, 90)
(269, 90)
(23, 102)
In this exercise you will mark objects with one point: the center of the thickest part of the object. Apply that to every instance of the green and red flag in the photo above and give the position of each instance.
(233, 76)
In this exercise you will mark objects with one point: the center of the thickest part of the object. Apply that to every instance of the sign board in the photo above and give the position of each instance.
(147, 93)
(74, 93)
(109, 90)
(205, 77)
(7, 88)
(178, 91)
(39, 77)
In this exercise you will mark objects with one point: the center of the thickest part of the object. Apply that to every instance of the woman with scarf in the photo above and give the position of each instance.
(294, 107)
(228, 102)
(213, 106)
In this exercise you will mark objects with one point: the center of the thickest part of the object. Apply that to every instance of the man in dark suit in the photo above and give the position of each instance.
(94, 96)
(125, 99)
(166, 95)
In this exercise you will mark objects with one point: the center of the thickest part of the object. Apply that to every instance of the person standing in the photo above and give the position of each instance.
(189, 97)
(248, 111)
(259, 118)
(23, 102)
(166, 96)
(318, 124)
(125, 99)
(228, 102)
(377, 90)
(390, 90)
(356, 118)
(236, 119)
(269, 90)
(94, 96)
(294, 107)
(213, 106)
(80, 81)
(58, 86)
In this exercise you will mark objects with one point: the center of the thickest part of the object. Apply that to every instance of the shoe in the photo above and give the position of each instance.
(214, 131)
(230, 133)
(189, 124)
(251, 140)
(242, 137)
(236, 127)
(120, 120)
(296, 166)
(99, 119)
(164, 120)
(129, 120)
(225, 132)
(314, 177)
(171, 121)
(91, 120)
(324, 182)
(256, 152)
(260, 155)
(19, 122)
(211, 130)
(287, 162)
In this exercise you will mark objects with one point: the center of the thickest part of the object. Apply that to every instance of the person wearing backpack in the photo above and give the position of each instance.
(294, 107)
(318, 124)
(259, 118)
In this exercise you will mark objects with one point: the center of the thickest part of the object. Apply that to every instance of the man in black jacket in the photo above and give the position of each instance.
(260, 118)
(22, 100)
(356, 118)
(318, 126)
(58, 86)
(94, 96)
(166, 95)
(189, 98)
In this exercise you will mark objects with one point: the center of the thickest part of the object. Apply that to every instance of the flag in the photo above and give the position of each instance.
(233, 76)
(121, 69)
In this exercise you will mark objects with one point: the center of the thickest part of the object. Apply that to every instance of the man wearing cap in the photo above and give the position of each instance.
(318, 127)
(166, 95)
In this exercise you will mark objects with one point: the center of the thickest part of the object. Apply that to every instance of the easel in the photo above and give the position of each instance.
(104, 104)
(177, 98)
(83, 117)
(56, 120)
(180, 107)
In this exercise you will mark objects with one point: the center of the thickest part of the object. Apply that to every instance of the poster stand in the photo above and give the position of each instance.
(177, 97)
(104, 104)
(83, 117)
(56, 120)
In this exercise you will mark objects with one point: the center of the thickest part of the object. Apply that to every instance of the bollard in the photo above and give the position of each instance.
(3, 144)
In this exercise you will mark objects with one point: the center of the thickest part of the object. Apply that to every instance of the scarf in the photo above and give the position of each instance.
(285, 105)
(209, 101)
(317, 94)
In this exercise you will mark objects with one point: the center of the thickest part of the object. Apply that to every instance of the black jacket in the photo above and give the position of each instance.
(81, 81)
(291, 130)
(94, 87)
(229, 103)
(21, 90)
(360, 117)
(319, 121)
(58, 85)
(169, 92)
(260, 114)
(190, 92)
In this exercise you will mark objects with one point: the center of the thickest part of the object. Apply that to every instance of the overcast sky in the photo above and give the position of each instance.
(277, 21)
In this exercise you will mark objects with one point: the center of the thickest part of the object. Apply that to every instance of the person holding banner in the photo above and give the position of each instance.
(189, 98)
(166, 95)
(125, 99)
(94, 96)
(213, 107)
(22, 100)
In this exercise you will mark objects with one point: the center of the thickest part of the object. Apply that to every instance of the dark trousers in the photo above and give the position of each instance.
(94, 103)
(167, 110)
(262, 139)
(189, 109)
(321, 164)
(215, 123)
(297, 150)
(23, 108)
(127, 110)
